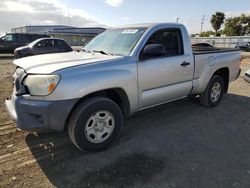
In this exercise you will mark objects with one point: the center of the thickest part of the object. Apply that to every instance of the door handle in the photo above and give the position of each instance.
(184, 64)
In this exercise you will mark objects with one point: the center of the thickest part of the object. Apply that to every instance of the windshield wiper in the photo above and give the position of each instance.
(87, 51)
(100, 51)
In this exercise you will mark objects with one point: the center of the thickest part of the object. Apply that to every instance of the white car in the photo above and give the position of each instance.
(247, 76)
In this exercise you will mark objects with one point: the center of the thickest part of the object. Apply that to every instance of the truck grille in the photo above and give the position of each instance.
(18, 76)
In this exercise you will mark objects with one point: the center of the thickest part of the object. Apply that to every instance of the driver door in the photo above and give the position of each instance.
(166, 77)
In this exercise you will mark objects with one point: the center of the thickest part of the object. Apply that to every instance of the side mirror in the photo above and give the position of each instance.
(154, 50)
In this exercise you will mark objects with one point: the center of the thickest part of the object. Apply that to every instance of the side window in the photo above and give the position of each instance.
(60, 43)
(23, 38)
(45, 43)
(8, 37)
(52, 43)
(170, 40)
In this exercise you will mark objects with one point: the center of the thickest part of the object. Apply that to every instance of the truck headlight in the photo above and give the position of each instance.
(41, 84)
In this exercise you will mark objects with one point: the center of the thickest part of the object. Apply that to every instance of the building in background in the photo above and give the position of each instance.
(38, 29)
(76, 36)
(72, 35)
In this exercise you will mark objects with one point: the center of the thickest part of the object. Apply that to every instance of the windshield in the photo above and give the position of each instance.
(120, 41)
(34, 42)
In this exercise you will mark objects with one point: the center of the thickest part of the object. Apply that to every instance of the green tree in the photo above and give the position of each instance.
(217, 20)
(245, 23)
(207, 34)
(237, 26)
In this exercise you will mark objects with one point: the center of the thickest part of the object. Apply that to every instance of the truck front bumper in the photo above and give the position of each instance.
(39, 116)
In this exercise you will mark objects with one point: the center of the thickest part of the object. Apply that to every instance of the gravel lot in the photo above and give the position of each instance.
(180, 144)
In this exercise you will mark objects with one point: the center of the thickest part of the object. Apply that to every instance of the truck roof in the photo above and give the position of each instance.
(148, 25)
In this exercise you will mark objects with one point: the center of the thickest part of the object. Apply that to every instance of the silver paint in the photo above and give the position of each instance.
(147, 83)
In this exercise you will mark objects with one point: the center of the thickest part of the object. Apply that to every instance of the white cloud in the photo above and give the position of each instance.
(15, 6)
(126, 18)
(16, 13)
(114, 3)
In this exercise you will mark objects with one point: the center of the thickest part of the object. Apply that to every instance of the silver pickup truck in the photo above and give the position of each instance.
(123, 70)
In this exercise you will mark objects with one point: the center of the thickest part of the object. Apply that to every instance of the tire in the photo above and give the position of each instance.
(95, 124)
(212, 96)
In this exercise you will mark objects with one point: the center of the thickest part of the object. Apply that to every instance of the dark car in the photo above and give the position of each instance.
(244, 47)
(10, 41)
(203, 44)
(199, 47)
(42, 46)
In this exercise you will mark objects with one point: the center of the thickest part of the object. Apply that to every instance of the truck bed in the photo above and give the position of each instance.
(205, 50)
(206, 58)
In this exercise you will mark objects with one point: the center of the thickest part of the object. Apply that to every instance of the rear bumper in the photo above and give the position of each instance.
(39, 116)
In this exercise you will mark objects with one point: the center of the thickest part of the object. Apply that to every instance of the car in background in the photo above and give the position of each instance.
(203, 47)
(244, 47)
(247, 76)
(10, 41)
(42, 46)
(203, 44)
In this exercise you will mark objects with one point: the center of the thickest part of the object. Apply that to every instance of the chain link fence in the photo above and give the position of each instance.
(222, 42)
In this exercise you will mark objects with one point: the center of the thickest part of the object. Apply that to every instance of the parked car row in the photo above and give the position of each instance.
(10, 41)
(23, 45)
(244, 47)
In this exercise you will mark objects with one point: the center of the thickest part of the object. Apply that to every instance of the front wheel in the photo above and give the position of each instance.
(95, 123)
(213, 93)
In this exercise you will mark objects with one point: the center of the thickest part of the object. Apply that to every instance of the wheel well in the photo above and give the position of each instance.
(224, 73)
(117, 95)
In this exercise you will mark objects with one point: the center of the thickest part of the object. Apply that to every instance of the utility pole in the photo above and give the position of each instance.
(202, 22)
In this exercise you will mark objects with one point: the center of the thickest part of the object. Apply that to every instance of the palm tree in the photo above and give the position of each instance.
(217, 20)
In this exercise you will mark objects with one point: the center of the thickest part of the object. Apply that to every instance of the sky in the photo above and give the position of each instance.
(109, 13)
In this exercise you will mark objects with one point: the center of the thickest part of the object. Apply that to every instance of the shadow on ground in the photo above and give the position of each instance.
(180, 144)
(6, 56)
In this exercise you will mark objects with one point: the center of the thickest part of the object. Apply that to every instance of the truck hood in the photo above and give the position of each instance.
(49, 63)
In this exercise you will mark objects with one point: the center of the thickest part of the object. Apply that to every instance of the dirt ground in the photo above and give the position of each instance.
(180, 144)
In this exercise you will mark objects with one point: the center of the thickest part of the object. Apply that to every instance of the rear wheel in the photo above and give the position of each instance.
(95, 124)
(214, 92)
